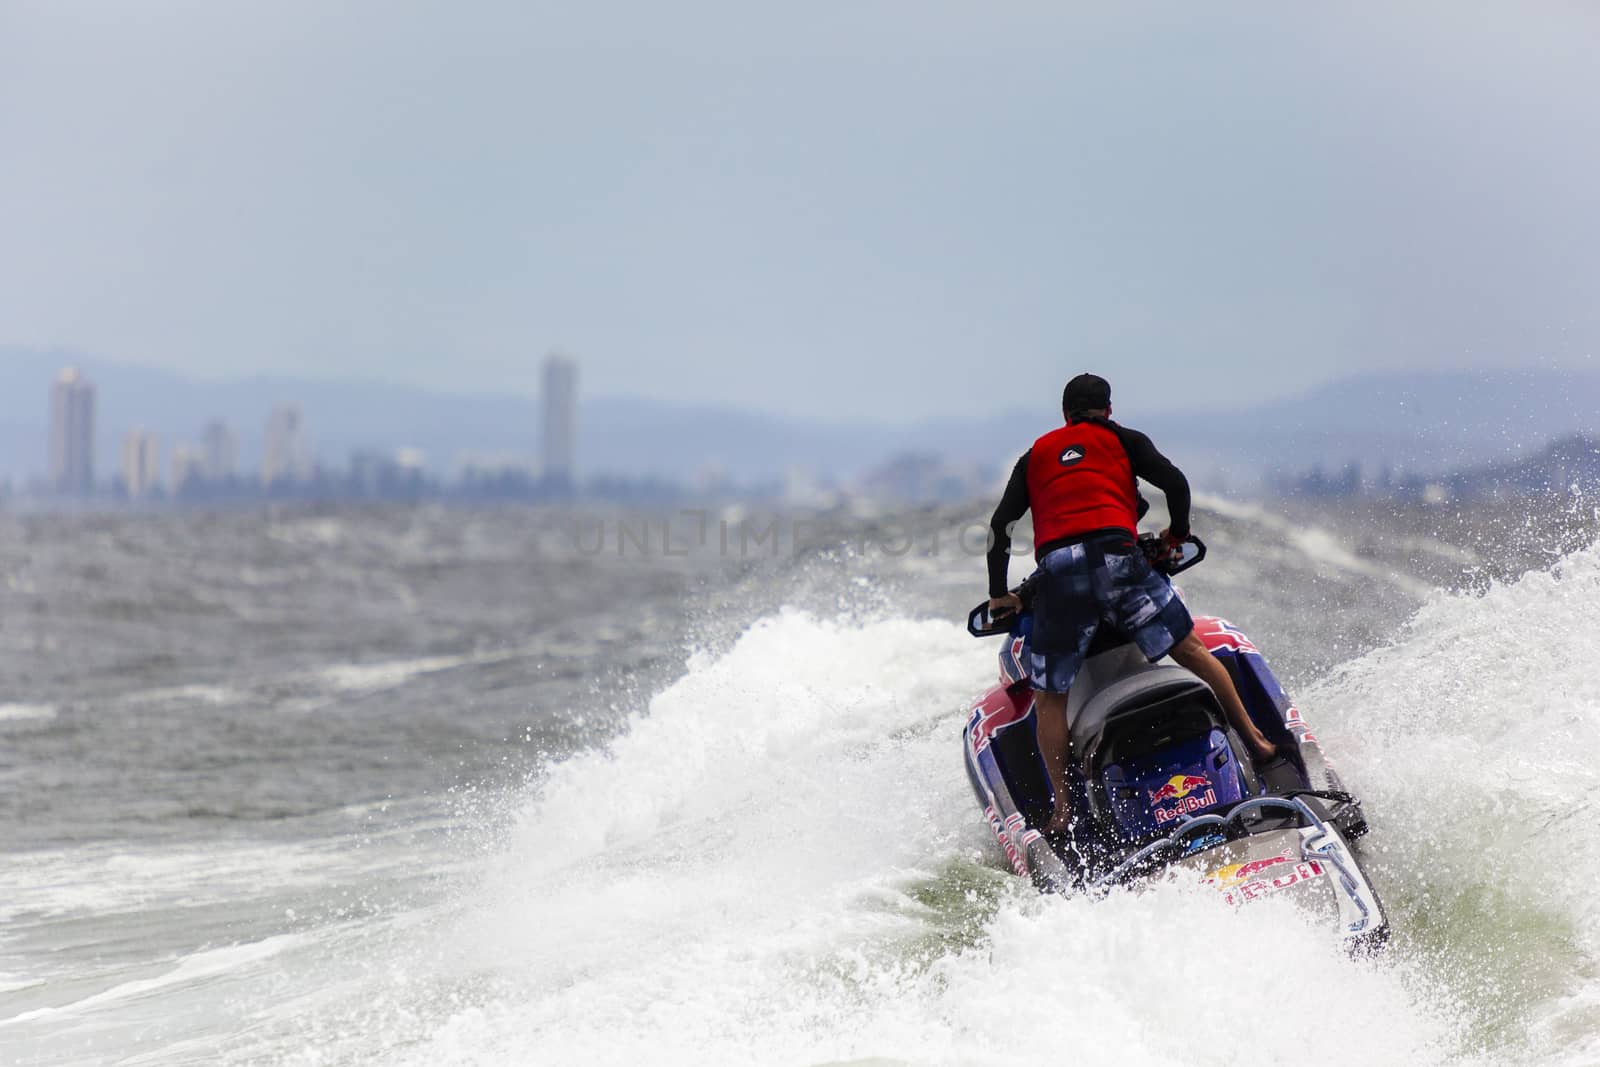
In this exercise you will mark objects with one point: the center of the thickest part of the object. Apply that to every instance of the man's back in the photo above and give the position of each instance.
(1072, 498)
(1080, 481)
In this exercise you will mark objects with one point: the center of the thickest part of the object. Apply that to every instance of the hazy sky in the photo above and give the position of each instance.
(894, 208)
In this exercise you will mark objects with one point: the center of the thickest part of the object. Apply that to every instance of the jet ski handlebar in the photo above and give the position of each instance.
(1175, 559)
(1164, 558)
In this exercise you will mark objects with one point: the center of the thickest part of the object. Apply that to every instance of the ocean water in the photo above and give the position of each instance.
(440, 787)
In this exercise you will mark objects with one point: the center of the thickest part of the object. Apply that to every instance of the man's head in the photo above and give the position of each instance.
(1085, 395)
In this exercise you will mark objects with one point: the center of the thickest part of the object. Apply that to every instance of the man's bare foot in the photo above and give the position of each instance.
(1263, 750)
(1060, 822)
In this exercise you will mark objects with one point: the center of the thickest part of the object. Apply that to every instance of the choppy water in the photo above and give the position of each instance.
(422, 787)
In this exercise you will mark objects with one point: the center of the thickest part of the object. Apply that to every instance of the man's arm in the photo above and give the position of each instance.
(1013, 503)
(1153, 467)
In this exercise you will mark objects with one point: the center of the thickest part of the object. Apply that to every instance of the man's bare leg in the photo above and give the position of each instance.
(1050, 710)
(1191, 653)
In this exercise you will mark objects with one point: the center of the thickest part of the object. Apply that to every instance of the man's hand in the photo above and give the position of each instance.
(1004, 605)
(1171, 547)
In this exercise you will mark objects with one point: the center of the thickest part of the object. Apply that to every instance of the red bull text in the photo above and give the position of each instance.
(1181, 794)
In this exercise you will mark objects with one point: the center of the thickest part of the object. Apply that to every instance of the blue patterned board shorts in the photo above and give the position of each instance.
(1081, 587)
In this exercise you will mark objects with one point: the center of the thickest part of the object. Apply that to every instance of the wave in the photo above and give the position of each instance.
(1475, 739)
(781, 863)
(27, 712)
(189, 969)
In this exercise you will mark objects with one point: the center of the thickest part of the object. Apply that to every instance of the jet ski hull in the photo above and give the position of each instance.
(1283, 831)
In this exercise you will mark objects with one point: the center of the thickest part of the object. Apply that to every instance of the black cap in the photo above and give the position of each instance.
(1086, 392)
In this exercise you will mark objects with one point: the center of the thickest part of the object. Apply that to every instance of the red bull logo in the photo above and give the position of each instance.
(1235, 873)
(994, 713)
(1220, 635)
(1242, 882)
(1180, 795)
(1178, 786)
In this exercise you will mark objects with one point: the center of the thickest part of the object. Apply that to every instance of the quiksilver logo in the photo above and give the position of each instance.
(1071, 455)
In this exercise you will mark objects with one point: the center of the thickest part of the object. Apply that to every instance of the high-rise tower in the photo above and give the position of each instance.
(72, 432)
(560, 419)
(284, 459)
(141, 463)
(221, 452)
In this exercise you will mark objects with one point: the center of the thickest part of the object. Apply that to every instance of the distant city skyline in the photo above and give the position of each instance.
(491, 443)
(207, 467)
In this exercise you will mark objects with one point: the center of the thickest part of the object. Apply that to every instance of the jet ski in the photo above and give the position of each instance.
(1161, 784)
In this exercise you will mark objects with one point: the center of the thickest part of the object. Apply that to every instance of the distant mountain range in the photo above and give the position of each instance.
(1437, 421)
(1566, 465)
(1412, 421)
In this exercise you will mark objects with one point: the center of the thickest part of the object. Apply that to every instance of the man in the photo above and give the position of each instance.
(1080, 482)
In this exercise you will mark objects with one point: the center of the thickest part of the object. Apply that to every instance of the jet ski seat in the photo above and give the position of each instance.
(1120, 681)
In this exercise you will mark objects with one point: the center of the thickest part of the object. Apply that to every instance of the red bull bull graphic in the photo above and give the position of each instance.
(1180, 795)
(1220, 635)
(994, 713)
(1251, 880)
(1179, 785)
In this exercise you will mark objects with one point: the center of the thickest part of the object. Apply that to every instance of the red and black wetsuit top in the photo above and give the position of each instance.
(1079, 481)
